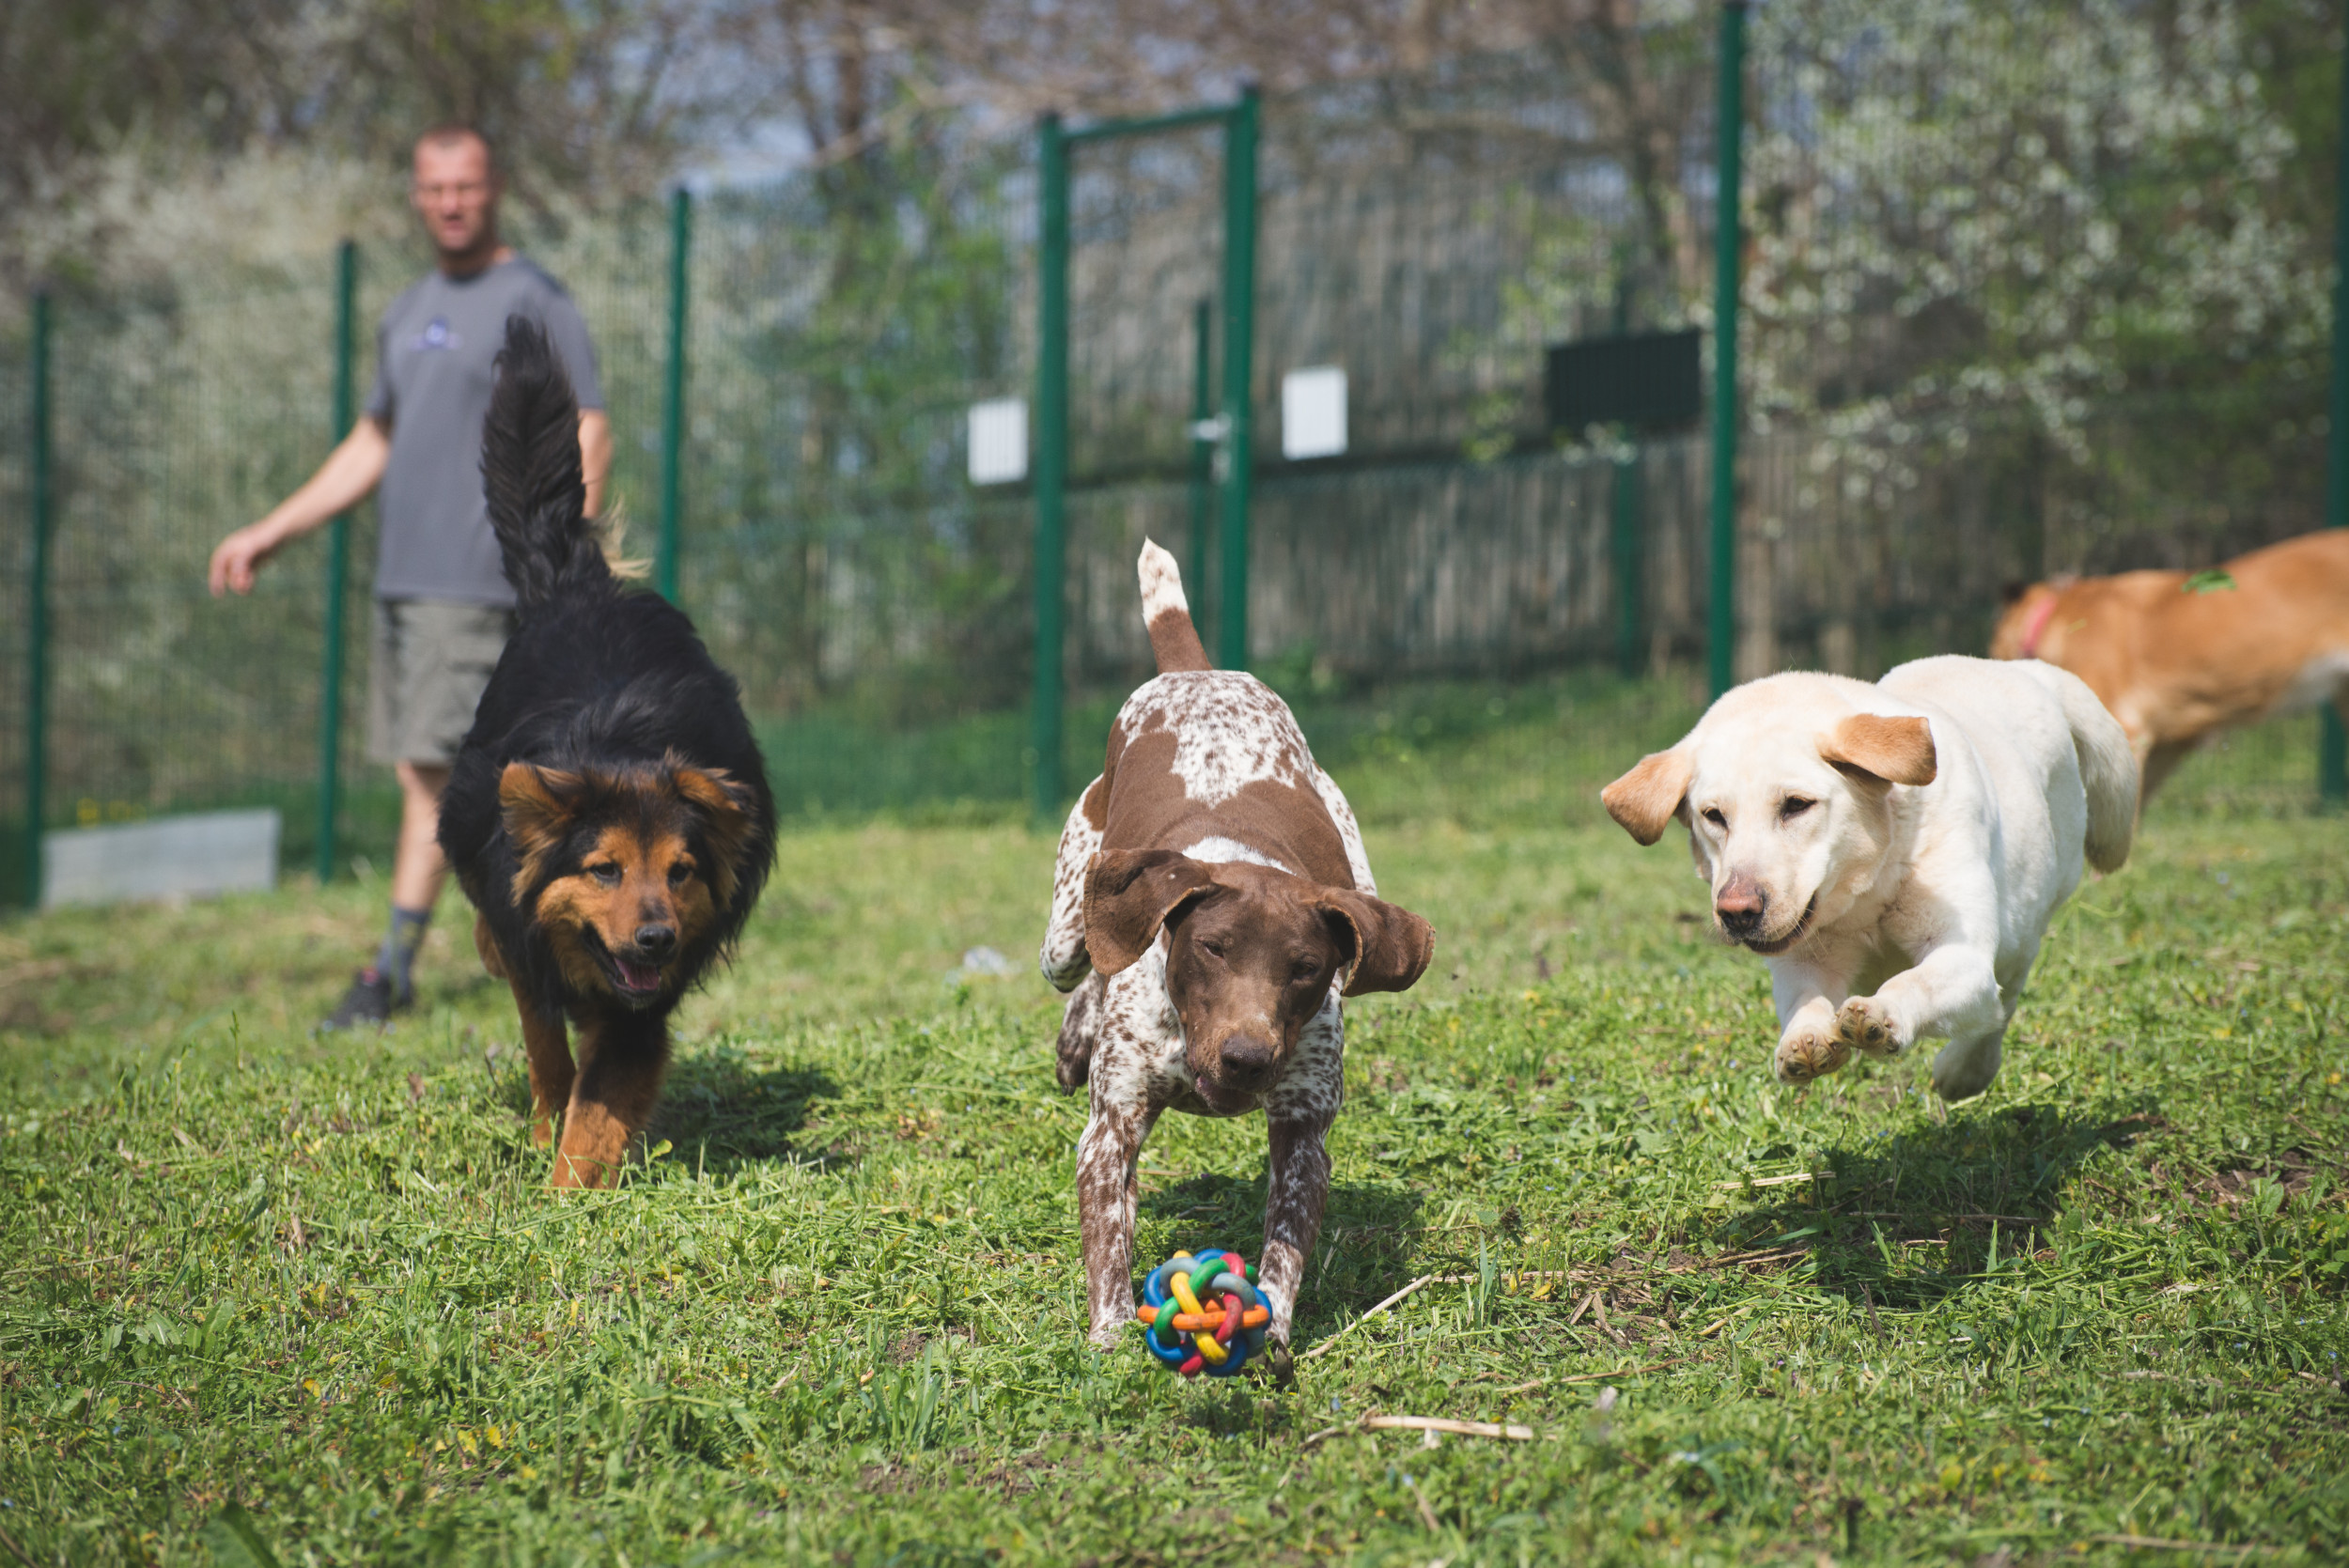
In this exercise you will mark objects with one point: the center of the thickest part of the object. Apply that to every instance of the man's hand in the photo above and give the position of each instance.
(240, 553)
(354, 468)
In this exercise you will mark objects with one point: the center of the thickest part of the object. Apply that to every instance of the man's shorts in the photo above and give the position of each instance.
(432, 662)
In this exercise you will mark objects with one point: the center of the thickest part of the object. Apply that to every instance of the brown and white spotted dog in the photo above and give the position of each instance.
(1210, 906)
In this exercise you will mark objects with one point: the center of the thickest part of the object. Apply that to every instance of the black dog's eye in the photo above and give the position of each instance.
(607, 873)
(1794, 805)
(1712, 815)
(680, 872)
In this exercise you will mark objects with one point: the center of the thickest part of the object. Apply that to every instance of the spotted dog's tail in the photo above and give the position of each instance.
(1167, 614)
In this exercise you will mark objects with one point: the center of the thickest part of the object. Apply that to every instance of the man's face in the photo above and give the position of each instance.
(456, 193)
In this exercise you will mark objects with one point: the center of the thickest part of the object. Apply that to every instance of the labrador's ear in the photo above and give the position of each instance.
(1897, 751)
(538, 805)
(1644, 799)
(1128, 894)
(1391, 946)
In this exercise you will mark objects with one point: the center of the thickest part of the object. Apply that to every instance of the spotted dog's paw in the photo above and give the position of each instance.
(1865, 1025)
(1809, 1053)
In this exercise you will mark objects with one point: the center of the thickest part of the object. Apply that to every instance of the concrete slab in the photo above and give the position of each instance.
(173, 857)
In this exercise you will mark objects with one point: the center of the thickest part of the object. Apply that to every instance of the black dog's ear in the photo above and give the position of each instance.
(540, 805)
(1128, 894)
(1392, 946)
(728, 830)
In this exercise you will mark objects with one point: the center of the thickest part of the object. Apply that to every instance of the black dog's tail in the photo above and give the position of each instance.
(530, 474)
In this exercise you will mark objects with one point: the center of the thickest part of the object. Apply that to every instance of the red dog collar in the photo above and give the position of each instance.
(2035, 625)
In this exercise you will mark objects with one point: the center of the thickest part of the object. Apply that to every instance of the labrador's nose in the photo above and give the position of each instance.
(1739, 907)
(655, 942)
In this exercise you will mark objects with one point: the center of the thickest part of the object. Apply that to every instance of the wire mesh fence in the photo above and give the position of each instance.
(2027, 290)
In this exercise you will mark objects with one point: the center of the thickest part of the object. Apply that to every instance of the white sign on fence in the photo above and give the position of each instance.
(173, 857)
(1313, 412)
(999, 441)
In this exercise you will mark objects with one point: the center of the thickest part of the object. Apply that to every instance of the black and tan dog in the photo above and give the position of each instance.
(609, 813)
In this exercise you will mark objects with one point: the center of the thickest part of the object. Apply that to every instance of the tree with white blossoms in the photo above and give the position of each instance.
(1960, 208)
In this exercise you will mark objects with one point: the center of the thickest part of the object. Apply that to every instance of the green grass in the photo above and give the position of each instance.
(837, 1318)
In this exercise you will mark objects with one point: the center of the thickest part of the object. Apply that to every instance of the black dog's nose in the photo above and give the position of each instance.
(1247, 1061)
(656, 941)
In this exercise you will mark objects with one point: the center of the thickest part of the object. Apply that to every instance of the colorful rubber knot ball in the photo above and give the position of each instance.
(1205, 1312)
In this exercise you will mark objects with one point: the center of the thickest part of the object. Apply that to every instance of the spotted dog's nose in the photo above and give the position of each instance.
(1247, 1062)
(1739, 907)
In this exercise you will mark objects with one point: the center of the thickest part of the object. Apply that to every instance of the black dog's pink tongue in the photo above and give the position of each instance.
(638, 977)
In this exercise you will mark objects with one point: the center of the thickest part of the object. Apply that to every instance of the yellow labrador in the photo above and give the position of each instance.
(1895, 850)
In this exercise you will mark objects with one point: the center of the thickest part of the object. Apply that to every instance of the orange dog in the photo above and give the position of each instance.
(2176, 657)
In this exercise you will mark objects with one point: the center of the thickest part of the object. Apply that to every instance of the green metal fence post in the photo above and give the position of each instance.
(1721, 635)
(673, 399)
(1240, 326)
(1051, 458)
(2332, 758)
(337, 573)
(1630, 576)
(36, 612)
(1201, 453)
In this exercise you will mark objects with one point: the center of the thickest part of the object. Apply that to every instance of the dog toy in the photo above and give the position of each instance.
(1205, 1312)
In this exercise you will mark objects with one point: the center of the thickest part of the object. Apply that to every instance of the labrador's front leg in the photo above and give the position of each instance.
(1953, 992)
(1808, 1044)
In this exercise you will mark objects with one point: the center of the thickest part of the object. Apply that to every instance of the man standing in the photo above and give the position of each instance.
(442, 606)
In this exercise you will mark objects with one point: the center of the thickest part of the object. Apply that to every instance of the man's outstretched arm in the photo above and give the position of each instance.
(350, 472)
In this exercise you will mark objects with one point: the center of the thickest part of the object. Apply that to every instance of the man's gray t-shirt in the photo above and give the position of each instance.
(435, 353)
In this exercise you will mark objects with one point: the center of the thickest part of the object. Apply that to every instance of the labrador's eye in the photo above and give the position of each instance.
(607, 873)
(1712, 815)
(1794, 805)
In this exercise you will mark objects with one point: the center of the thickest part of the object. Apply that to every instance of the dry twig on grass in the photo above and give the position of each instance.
(2155, 1543)
(1426, 1423)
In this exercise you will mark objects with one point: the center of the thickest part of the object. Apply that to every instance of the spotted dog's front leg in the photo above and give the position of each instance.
(1106, 1199)
(1298, 1114)
(1080, 1027)
(1063, 959)
(1297, 1185)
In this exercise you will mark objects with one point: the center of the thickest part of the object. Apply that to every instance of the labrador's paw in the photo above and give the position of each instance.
(1866, 1025)
(1804, 1055)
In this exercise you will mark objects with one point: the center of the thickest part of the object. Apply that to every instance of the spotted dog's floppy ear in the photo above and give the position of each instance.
(729, 832)
(1896, 751)
(1644, 799)
(540, 805)
(1392, 946)
(1128, 894)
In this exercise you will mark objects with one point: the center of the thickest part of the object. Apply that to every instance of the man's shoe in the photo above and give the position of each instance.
(370, 1000)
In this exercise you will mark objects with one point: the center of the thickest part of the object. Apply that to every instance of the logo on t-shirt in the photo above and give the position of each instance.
(437, 334)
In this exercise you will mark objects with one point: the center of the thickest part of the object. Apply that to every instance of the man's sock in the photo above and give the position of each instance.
(396, 958)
